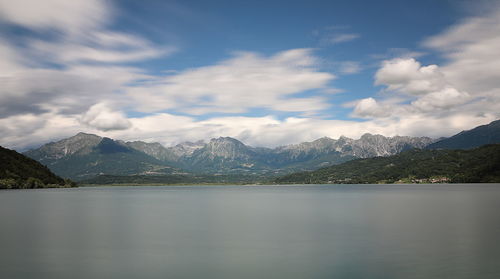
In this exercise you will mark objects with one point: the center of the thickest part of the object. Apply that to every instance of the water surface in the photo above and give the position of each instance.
(355, 231)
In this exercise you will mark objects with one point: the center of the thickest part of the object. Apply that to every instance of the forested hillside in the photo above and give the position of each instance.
(18, 171)
(416, 166)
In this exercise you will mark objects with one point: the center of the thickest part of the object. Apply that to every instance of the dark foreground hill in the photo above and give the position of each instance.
(481, 135)
(416, 166)
(18, 171)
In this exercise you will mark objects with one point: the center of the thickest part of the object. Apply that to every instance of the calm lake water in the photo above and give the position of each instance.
(357, 231)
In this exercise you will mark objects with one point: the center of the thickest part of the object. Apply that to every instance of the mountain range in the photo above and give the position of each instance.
(85, 156)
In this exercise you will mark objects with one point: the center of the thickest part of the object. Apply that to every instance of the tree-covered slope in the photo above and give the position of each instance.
(19, 171)
(481, 135)
(170, 179)
(477, 165)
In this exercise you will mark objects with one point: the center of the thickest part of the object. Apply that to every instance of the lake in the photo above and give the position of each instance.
(321, 231)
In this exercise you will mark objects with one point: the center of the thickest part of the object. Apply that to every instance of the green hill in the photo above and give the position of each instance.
(415, 166)
(481, 135)
(20, 172)
(171, 179)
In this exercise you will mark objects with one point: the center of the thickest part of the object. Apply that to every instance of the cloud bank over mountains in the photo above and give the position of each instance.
(69, 70)
(239, 84)
(425, 88)
(466, 86)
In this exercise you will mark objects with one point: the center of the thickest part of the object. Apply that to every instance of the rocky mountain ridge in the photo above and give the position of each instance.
(84, 155)
(367, 146)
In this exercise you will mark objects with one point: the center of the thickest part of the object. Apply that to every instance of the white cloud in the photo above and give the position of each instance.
(350, 67)
(311, 104)
(68, 91)
(99, 46)
(269, 132)
(9, 60)
(333, 35)
(393, 53)
(409, 76)
(70, 85)
(68, 16)
(467, 83)
(463, 92)
(82, 33)
(28, 130)
(103, 118)
(239, 84)
(443, 99)
(336, 38)
(370, 108)
(428, 84)
(472, 49)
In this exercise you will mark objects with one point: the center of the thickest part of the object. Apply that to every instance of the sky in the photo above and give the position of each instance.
(268, 73)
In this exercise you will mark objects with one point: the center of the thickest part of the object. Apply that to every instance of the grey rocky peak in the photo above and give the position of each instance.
(377, 145)
(367, 146)
(323, 145)
(187, 148)
(154, 149)
(225, 155)
(81, 143)
(226, 147)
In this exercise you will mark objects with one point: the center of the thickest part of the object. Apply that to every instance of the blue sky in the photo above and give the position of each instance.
(266, 72)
